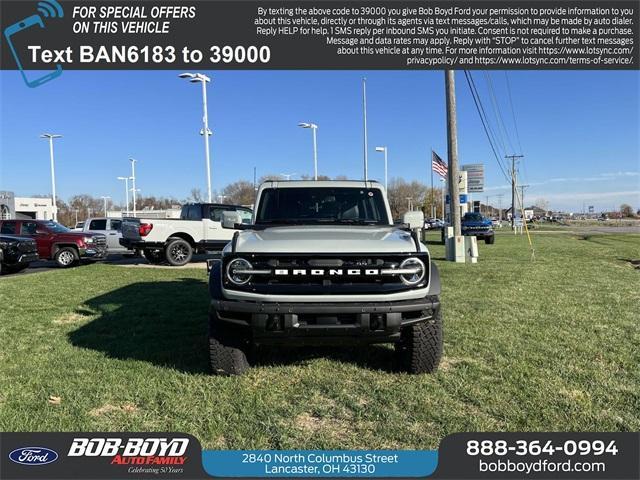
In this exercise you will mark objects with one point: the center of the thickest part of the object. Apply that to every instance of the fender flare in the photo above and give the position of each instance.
(215, 280)
(434, 280)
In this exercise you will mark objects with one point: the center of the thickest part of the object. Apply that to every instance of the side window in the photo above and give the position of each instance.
(98, 224)
(245, 215)
(116, 225)
(216, 214)
(194, 212)
(28, 228)
(8, 227)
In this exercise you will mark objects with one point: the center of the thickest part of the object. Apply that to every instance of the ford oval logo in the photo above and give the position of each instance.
(33, 456)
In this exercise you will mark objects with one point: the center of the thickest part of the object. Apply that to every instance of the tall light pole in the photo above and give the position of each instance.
(364, 121)
(409, 206)
(126, 190)
(384, 149)
(50, 137)
(313, 128)
(203, 79)
(104, 199)
(133, 183)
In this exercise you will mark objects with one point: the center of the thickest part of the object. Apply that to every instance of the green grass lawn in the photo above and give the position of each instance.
(547, 345)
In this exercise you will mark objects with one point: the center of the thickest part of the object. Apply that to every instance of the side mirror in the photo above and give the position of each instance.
(229, 219)
(414, 219)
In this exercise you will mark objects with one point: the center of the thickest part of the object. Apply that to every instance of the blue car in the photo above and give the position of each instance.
(475, 224)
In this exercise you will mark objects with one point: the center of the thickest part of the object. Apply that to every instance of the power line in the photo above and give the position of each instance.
(480, 110)
(497, 111)
(513, 112)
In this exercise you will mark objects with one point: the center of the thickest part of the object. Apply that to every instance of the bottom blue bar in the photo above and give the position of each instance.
(320, 463)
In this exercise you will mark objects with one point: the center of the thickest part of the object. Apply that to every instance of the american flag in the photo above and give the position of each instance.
(438, 165)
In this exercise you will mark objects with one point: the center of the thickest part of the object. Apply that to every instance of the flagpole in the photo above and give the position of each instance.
(432, 199)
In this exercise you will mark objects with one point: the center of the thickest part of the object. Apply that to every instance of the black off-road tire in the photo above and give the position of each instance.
(420, 347)
(228, 350)
(66, 257)
(490, 240)
(178, 252)
(154, 257)
(15, 268)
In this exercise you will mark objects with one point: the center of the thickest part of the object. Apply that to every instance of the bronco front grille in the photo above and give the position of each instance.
(324, 273)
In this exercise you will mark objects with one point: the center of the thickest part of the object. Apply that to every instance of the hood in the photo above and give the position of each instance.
(476, 223)
(73, 234)
(14, 239)
(326, 239)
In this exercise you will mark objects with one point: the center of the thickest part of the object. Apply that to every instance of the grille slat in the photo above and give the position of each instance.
(323, 282)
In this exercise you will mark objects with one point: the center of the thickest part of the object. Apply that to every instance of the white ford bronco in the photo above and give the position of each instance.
(323, 264)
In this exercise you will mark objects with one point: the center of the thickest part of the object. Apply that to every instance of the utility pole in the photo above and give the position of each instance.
(513, 187)
(255, 187)
(452, 147)
(522, 187)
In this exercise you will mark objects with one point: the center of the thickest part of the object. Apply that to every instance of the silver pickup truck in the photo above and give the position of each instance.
(174, 240)
(321, 264)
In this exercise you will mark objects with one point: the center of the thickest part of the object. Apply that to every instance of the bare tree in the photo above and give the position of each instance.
(399, 193)
(239, 193)
(626, 210)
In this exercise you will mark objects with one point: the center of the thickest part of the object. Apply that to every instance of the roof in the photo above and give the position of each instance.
(321, 183)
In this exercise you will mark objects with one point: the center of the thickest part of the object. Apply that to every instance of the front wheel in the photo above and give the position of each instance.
(420, 347)
(227, 351)
(178, 252)
(66, 257)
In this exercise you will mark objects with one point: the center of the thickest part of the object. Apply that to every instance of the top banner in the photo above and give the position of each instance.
(54, 35)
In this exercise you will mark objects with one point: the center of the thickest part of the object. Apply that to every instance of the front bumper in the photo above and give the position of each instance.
(471, 232)
(93, 252)
(28, 257)
(323, 323)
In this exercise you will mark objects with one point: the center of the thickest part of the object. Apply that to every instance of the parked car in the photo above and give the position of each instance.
(433, 224)
(323, 264)
(57, 242)
(174, 240)
(111, 228)
(16, 253)
(477, 225)
(78, 226)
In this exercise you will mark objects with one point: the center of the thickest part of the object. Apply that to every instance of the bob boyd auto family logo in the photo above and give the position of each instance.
(133, 451)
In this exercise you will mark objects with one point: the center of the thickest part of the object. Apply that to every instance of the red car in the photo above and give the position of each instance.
(57, 242)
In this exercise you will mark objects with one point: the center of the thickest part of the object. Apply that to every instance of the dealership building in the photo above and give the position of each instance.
(12, 207)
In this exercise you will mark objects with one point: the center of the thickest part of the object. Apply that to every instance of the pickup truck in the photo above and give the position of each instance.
(111, 228)
(57, 242)
(479, 226)
(323, 264)
(16, 253)
(174, 240)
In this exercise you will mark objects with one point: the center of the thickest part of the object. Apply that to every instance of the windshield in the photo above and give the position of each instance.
(473, 217)
(322, 205)
(55, 227)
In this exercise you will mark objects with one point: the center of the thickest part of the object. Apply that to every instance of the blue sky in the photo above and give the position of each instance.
(579, 130)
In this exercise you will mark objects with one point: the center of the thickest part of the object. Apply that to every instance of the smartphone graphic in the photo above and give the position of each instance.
(14, 30)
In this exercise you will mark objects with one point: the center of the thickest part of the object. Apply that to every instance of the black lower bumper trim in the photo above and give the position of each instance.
(323, 323)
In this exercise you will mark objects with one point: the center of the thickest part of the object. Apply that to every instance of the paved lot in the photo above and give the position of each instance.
(199, 261)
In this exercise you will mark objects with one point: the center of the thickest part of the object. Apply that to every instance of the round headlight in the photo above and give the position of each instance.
(413, 264)
(234, 269)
